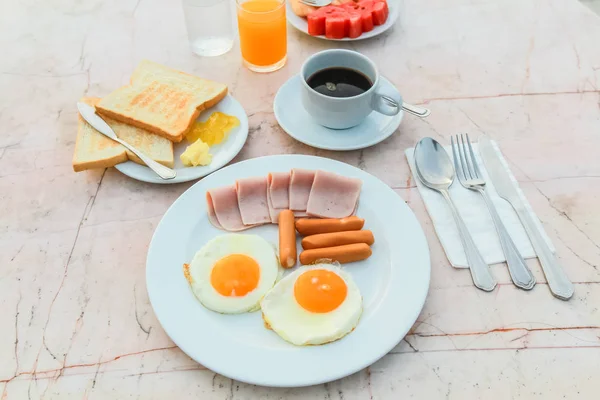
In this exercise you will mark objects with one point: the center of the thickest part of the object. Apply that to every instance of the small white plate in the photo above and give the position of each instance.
(293, 119)
(393, 283)
(222, 153)
(301, 24)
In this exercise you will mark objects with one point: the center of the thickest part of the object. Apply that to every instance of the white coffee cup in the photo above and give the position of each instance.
(346, 112)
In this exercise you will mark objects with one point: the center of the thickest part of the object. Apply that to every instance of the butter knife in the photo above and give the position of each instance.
(89, 114)
(558, 282)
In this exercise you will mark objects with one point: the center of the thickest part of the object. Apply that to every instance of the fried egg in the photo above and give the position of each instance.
(313, 305)
(232, 273)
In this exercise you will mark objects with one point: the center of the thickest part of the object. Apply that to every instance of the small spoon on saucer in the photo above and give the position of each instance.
(420, 112)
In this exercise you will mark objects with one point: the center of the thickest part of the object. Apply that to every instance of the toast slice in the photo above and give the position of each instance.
(94, 150)
(162, 100)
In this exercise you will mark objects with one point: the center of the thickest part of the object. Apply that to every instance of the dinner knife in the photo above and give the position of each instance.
(559, 283)
(89, 114)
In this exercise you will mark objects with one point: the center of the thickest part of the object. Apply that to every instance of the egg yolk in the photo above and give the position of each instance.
(235, 275)
(320, 290)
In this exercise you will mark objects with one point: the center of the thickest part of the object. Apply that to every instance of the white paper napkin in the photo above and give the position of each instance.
(474, 212)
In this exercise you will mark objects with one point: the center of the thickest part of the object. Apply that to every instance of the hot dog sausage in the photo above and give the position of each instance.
(342, 254)
(287, 239)
(337, 239)
(307, 226)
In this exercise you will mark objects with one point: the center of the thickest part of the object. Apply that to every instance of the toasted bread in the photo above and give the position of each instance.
(161, 100)
(94, 150)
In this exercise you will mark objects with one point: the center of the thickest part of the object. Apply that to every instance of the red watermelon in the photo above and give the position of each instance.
(347, 20)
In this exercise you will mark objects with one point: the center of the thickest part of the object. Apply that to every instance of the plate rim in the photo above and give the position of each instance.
(418, 301)
(152, 178)
(395, 122)
(394, 16)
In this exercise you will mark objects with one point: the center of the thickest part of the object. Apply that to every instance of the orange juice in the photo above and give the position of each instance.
(263, 38)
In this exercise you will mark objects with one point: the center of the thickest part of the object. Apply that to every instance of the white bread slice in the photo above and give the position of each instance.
(162, 100)
(94, 150)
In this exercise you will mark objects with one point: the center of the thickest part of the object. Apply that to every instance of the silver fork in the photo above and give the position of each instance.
(316, 3)
(470, 177)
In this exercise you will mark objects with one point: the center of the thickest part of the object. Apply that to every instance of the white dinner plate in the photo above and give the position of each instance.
(222, 153)
(393, 283)
(301, 24)
(296, 122)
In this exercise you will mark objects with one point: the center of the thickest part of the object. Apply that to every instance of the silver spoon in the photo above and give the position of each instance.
(434, 168)
(316, 3)
(420, 112)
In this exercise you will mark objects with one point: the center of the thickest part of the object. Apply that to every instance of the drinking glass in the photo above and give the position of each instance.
(263, 36)
(210, 26)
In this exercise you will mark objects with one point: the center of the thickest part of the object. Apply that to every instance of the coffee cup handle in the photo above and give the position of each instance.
(387, 102)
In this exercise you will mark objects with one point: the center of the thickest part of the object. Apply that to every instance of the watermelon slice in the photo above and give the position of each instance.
(380, 13)
(354, 24)
(350, 19)
(316, 24)
(335, 26)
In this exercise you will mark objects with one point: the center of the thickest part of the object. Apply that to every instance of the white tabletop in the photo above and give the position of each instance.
(76, 321)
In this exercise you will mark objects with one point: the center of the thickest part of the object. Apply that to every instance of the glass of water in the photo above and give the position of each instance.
(210, 26)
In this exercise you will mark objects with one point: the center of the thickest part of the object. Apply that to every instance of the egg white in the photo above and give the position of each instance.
(298, 326)
(253, 246)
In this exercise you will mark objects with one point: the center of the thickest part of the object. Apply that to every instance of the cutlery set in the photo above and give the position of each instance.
(436, 171)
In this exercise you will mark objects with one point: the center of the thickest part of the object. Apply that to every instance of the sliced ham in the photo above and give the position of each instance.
(252, 200)
(212, 215)
(223, 209)
(278, 197)
(279, 189)
(259, 200)
(333, 195)
(301, 182)
(273, 213)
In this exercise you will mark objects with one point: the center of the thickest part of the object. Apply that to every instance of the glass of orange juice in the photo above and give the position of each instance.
(263, 37)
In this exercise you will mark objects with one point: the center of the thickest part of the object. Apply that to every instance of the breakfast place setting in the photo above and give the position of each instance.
(300, 199)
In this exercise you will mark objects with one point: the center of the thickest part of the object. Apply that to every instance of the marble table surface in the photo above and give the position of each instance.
(75, 319)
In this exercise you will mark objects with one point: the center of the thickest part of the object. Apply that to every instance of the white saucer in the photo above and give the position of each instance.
(293, 118)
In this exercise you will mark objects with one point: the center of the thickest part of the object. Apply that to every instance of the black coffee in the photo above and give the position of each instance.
(339, 82)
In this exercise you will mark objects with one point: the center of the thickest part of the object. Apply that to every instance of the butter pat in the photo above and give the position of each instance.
(196, 154)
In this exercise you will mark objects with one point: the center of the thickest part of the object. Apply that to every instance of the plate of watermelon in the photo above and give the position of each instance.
(344, 19)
